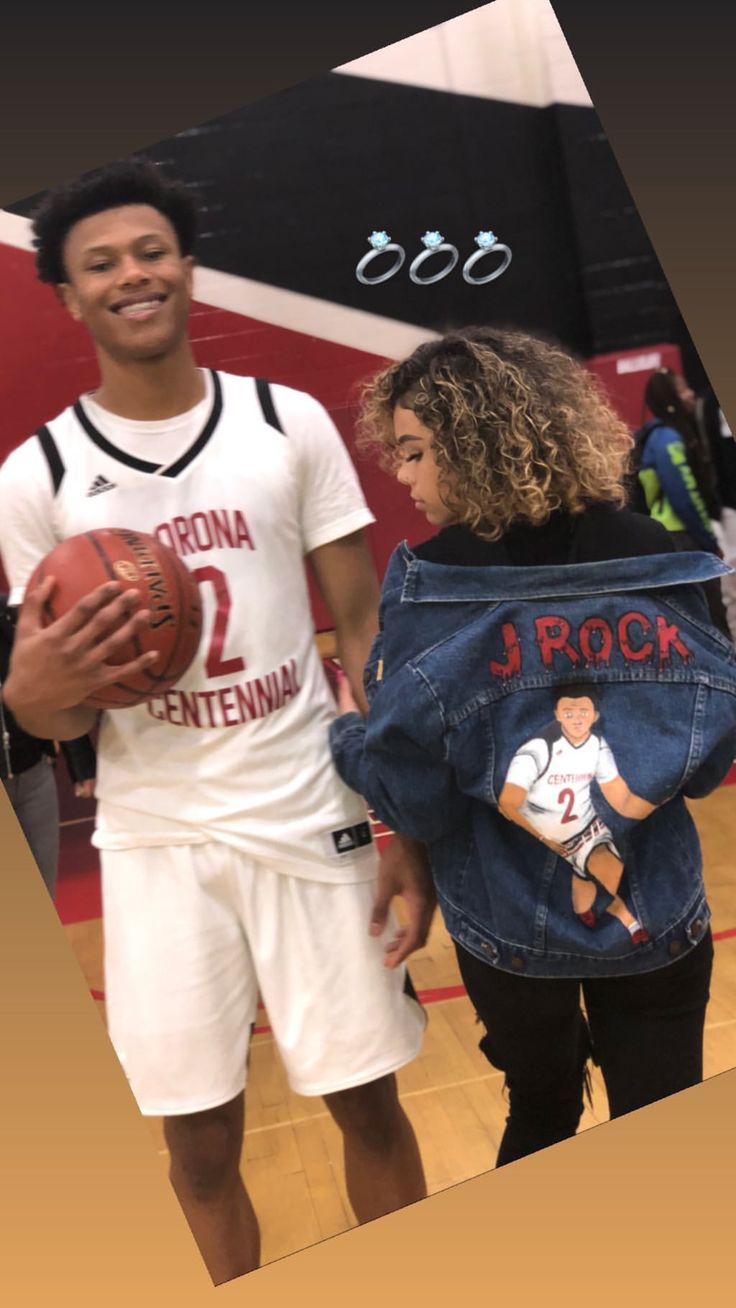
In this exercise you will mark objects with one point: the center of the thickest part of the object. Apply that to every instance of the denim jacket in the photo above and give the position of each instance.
(477, 681)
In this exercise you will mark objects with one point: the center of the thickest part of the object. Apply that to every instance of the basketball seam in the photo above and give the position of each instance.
(182, 631)
(157, 677)
(139, 696)
(111, 572)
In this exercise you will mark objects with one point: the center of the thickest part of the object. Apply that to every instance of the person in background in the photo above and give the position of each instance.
(676, 474)
(716, 433)
(28, 775)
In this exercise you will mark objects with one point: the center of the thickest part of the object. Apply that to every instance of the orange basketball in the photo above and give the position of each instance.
(138, 562)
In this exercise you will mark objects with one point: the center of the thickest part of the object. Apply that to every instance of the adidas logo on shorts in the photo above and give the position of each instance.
(349, 838)
(99, 485)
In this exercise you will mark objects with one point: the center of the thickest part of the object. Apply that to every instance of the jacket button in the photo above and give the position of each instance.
(674, 948)
(697, 926)
(490, 950)
(517, 963)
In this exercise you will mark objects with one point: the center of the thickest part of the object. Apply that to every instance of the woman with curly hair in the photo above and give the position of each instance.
(542, 614)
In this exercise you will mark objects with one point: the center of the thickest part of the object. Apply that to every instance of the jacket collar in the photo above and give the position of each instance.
(426, 583)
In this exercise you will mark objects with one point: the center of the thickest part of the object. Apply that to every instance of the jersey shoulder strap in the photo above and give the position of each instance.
(268, 408)
(56, 465)
(52, 456)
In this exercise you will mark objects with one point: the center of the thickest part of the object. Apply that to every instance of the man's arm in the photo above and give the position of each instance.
(624, 801)
(404, 870)
(346, 576)
(54, 668)
(510, 802)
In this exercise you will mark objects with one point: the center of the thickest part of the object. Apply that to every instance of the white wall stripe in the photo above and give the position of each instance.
(15, 231)
(324, 319)
(337, 323)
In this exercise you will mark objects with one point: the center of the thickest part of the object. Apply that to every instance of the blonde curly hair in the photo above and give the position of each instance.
(519, 428)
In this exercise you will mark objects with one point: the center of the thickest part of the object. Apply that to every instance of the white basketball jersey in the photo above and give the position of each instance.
(557, 779)
(238, 751)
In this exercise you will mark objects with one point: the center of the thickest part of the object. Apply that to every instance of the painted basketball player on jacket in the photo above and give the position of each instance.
(547, 791)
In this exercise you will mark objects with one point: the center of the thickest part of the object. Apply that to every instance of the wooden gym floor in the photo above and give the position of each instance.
(292, 1160)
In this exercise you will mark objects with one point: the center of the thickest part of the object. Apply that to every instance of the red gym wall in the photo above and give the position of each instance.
(625, 373)
(48, 361)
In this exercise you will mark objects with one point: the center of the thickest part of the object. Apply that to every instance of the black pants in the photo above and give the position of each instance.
(644, 1031)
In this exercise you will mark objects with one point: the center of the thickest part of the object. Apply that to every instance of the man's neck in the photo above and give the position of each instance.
(151, 390)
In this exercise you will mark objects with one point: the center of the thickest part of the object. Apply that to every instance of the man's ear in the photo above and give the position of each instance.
(66, 295)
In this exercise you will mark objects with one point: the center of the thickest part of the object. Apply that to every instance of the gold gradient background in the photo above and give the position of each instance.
(640, 1210)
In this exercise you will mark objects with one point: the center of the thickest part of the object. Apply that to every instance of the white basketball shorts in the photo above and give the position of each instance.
(579, 848)
(193, 934)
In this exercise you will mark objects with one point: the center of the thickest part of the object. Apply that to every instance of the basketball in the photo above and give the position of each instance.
(138, 562)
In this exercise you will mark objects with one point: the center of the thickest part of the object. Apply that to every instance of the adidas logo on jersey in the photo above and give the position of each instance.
(349, 838)
(99, 485)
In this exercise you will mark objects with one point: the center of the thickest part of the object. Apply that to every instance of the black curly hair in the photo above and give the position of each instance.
(127, 181)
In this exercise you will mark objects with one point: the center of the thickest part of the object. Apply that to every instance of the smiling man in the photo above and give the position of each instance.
(234, 860)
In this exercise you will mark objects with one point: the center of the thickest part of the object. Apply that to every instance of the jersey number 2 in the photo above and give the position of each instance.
(567, 797)
(215, 664)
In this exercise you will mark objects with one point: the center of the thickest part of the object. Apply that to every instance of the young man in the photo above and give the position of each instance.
(234, 860)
